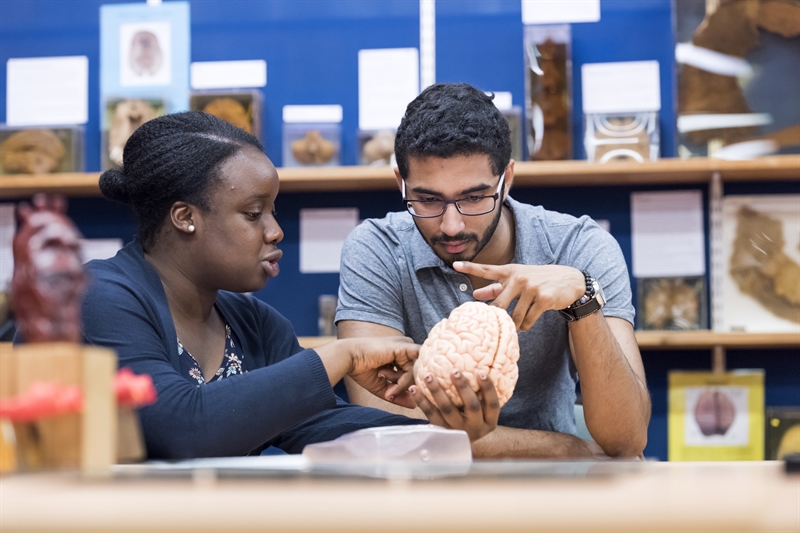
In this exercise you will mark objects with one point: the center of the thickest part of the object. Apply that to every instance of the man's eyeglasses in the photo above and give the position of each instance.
(470, 206)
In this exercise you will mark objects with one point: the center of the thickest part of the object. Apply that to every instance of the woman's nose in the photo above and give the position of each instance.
(273, 232)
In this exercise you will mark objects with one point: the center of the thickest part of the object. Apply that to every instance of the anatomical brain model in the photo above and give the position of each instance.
(476, 338)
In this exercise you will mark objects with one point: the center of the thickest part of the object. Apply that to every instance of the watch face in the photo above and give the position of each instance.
(598, 292)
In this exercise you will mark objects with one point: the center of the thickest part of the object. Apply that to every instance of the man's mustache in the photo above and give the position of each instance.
(461, 237)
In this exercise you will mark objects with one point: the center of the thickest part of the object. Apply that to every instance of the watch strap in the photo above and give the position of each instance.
(587, 304)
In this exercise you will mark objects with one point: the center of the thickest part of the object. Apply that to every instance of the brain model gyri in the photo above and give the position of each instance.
(476, 338)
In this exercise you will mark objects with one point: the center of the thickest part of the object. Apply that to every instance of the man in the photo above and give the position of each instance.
(463, 238)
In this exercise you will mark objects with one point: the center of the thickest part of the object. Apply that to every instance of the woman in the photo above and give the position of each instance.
(230, 375)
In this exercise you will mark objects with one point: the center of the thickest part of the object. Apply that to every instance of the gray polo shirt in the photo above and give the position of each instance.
(390, 276)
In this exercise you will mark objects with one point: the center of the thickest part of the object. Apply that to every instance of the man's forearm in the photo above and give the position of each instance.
(615, 398)
(513, 443)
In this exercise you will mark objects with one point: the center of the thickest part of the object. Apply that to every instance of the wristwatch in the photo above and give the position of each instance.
(591, 302)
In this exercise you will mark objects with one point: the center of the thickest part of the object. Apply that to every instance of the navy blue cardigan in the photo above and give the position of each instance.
(284, 399)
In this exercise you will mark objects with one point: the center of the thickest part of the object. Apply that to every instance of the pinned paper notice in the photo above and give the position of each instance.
(312, 113)
(667, 234)
(322, 234)
(502, 100)
(560, 11)
(388, 79)
(623, 87)
(47, 91)
(228, 74)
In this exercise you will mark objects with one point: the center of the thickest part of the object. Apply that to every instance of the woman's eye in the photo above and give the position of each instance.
(253, 216)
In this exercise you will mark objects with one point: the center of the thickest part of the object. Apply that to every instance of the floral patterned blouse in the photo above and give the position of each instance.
(232, 362)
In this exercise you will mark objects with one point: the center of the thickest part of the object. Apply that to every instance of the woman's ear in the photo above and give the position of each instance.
(181, 217)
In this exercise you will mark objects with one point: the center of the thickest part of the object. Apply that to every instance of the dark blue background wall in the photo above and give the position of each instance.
(311, 52)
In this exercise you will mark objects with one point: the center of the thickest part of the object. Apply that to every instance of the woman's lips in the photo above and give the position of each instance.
(271, 268)
(270, 263)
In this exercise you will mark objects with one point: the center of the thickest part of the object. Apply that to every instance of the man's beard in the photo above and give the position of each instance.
(441, 238)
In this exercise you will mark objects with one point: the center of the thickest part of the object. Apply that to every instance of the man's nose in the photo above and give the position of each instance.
(452, 220)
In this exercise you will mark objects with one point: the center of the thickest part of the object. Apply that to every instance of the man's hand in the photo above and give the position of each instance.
(479, 416)
(383, 366)
(537, 288)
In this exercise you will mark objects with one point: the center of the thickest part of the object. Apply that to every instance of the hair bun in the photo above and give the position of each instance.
(114, 185)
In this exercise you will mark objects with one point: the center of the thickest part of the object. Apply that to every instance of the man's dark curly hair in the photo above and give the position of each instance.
(452, 119)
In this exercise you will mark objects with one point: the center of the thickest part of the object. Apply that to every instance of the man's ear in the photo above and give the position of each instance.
(399, 178)
(509, 177)
(181, 216)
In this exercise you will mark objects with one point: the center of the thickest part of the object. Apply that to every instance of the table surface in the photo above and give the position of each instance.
(746, 496)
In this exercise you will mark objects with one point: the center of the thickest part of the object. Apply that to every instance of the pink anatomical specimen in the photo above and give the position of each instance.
(476, 338)
(714, 413)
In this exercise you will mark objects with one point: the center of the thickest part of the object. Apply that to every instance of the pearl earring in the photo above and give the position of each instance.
(191, 228)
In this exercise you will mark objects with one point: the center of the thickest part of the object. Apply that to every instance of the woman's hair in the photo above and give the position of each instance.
(169, 159)
(452, 119)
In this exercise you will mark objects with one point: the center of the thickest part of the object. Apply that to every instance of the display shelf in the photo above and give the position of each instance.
(673, 340)
(527, 174)
(691, 340)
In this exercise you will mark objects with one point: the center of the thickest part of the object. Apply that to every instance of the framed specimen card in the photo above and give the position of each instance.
(716, 416)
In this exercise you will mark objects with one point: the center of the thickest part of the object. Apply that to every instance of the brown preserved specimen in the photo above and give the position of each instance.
(313, 149)
(733, 30)
(671, 304)
(761, 269)
(232, 112)
(37, 151)
(550, 93)
(379, 149)
(128, 115)
(49, 281)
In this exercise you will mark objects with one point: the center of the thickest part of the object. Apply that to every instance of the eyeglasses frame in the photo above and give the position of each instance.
(495, 196)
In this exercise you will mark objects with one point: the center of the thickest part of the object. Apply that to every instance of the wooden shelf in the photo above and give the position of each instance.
(527, 174)
(673, 340)
(691, 340)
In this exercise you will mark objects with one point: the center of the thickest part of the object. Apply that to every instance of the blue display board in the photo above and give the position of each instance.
(158, 67)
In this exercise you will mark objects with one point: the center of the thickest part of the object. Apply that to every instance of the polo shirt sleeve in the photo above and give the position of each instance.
(597, 252)
(370, 288)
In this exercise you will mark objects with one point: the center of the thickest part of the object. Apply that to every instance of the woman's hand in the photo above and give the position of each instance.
(479, 416)
(383, 366)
